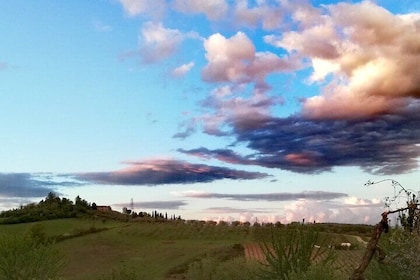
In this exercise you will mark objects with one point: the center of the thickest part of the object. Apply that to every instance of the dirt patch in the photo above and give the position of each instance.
(253, 251)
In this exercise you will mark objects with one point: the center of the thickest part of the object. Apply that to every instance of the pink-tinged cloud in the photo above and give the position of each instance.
(237, 111)
(214, 10)
(308, 210)
(301, 158)
(235, 60)
(283, 196)
(159, 42)
(368, 56)
(230, 108)
(270, 17)
(333, 212)
(166, 171)
(227, 57)
(154, 8)
(182, 70)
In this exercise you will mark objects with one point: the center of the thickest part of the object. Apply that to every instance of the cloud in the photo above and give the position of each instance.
(354, 211)
(224, 210)
(229, 107)
(100, 26)
(166, 171)
(4, 65)
(236, 60)
(310, 210)
(386, 144)
(11, 202)
(173, 204)
(354, 201)
(182, 70)
(187, 128)
(26, 185)
(214, 10)
(154, 8)
(332, 212)
(158, 42)
(366, 114)
(367, 56)
(284, 196)
(270, 16)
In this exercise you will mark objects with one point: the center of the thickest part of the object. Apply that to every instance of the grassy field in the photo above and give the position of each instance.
(149, 250)
(95, 248)
(153, 251)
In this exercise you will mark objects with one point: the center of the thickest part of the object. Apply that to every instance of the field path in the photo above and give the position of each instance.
(361, 240)
(253, 251)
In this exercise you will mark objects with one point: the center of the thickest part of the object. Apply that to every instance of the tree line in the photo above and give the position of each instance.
(52, 207)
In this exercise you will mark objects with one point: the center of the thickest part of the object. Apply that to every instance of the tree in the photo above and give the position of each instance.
(409, 222)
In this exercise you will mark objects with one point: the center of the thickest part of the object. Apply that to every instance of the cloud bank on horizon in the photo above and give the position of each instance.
(358, 60)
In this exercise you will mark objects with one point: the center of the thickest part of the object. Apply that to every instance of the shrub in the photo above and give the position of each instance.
(210, 268)
(237, 269)
(314, 272)
(122, 273)
(291, 252)
(29, 257)
(402, 260)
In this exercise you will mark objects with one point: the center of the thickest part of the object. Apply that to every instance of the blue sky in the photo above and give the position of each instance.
(224, 110)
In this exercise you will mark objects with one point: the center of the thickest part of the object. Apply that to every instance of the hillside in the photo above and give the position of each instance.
(92, 244)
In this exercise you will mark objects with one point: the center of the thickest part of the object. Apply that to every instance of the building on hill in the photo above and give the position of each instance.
(104, 208)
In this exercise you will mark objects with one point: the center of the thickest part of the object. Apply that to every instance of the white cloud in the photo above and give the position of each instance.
(353, 210)
(270, 16)
(153, 8)
(182, 70)
(159, 42)
(214, 9)
(369, 53)
(235, 60)
(100, 26)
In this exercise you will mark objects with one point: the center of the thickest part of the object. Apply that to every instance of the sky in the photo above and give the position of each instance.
(265, 110)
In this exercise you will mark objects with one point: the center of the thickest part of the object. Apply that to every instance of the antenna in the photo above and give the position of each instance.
(132, 204)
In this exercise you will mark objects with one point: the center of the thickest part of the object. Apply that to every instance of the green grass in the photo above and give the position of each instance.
(59, 227)
(151, 250)
(148, 250)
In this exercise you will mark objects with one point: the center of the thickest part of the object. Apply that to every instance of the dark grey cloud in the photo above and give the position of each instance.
(225, 210)
(384, 144)
(30, 184)
(158, 172)
(170, 205)
(283, 196)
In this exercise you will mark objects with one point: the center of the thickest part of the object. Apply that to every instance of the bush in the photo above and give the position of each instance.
(291, 252)
(210, 268)
(29, 257)
(121, 274)
(314, 272)
(237, 269)
(402, 257)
